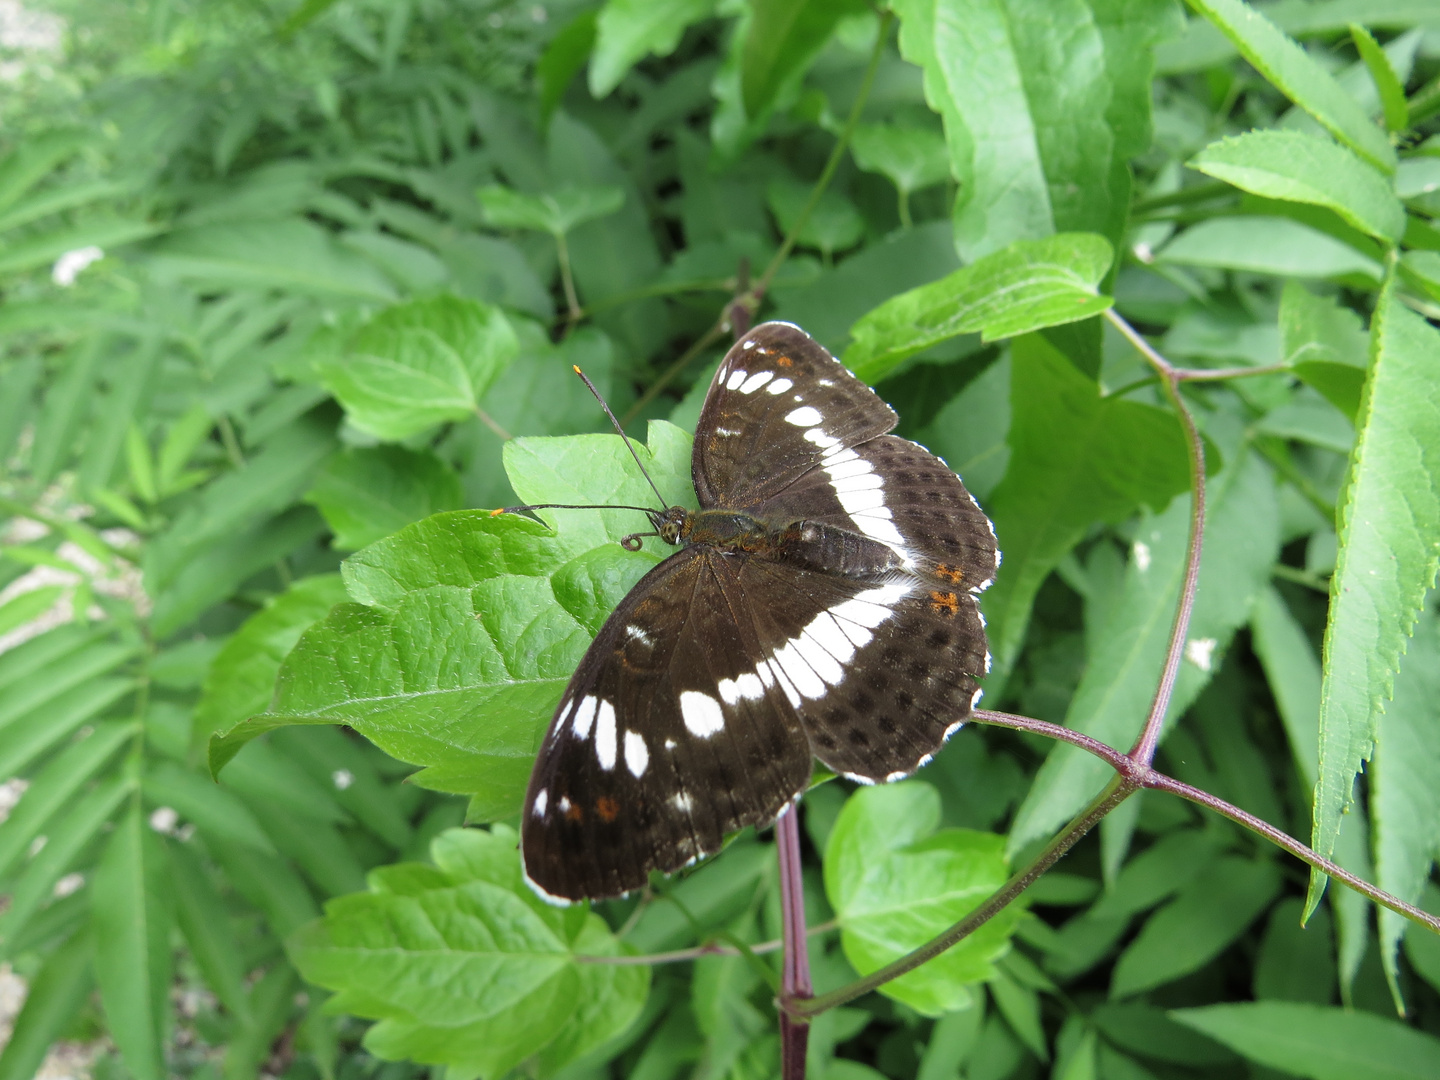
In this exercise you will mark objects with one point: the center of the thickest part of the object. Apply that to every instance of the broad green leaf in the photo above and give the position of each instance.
(1405, 785)
(1075, 458)
(469, 626)
(1242, 542)
(54, 998)
(242, 677)
(910, 157)
(368, 493)
(554, 212)
(55, 785)
(1028, 285)
(1195, 927)
(1389, 519)
(562, 60)
(131, 913)
(419, 364)
(1389, 86)
(1267, 245)
(1325, 344)
(782, 40)
(895, 883)
(629, 30)
(1043, 103)
(292, 254)
(1320, 1043)
(465, 967)
(834, 225)
(1304, 168)
(1299, 77)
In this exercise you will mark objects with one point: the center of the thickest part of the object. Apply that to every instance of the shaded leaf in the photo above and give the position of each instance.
(629, 30)
(368, 493)
(554, 212)
(782, 40)
(1267, 245)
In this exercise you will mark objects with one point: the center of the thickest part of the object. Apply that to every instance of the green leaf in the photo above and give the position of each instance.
(368, 493)
(1320, 1043)
(419, 364)
(28, 606)
(55, 785)
(1296, 963)
(131, 912)
(55, 718)
(910, 157)
(468, 626)
(1392, 92)
(1304, 168)
(57, 993)
(1267, 245)
(895, 883)
(465, 967)
(629, 30)
(555, 212)
(1242, 542)
(1299, 77)
(1325, 344)
(214, 810)
(101, 230)
(562, 60)
(1028, 285)
(1195, 927)
(1405, 785)
(1164, 868)
(268, 1009)
(1114, 457)
(35, 156)
(291, 254)
(782, 41)
(206, 925)
(1043, 104)
(834, 224)
(1293, 673)
(1389, 519)
(242, 677)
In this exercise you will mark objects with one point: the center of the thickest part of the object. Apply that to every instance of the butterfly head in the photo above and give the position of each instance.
(672, 526)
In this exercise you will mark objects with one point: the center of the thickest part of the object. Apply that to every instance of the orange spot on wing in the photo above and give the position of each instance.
(574, 813)
(607, 808)
(783, 361)
(949, 573)
(945, 603)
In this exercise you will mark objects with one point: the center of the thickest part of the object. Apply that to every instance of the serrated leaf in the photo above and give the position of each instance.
(1075, 458)
(1242, 542)
(895, 883)
(1387, 83)
(470, 626)
(629, 30)
(465, 967)
(1299, 77)
(132, 910)
(1389, 524)
(1305, 168)
(1319, 1043)
(1027, 286)
(1325, 344)
(419, 364)
(554, 212)
(1195, 927)
(1267, 245)
(368, 493)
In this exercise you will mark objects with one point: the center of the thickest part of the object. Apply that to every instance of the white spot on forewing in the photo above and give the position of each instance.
(746, 687)
(805, 416)
(748, 345)
(1201, 652)
(584, 717)
(637, 634)
(736, 378)
(820, 439)
(756, 381)
(563, 805)
(636, 754)
(701, 713)
(779, 386)
(605, 736)
(670, 744)
(682, 802)
(542, 800)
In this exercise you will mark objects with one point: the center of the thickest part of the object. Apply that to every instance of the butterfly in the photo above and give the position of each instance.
(822, 605)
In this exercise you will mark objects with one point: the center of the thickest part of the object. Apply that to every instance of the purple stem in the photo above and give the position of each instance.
(795, 977)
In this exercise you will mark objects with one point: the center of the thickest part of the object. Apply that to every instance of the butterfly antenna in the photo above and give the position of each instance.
(621, 431)
(570, 506)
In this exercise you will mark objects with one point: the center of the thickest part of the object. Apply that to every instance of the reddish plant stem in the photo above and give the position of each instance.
(795, 975)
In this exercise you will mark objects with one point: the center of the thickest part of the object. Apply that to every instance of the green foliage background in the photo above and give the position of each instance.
(291, 292)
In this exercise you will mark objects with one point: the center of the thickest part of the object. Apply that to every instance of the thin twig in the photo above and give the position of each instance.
(489, 421)
(1149, 739)
(1142, 775)
(1209, 374)
(716, 331)
(572, 300)
(795, 977)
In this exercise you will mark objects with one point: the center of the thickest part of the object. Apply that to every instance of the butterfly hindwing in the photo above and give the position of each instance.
(773, 398)
(663, 742)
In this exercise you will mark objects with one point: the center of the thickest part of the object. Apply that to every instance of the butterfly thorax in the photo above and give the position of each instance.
(811, 544)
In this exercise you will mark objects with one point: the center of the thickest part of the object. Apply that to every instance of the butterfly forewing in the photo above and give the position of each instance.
(662, 743)
(769, 395)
